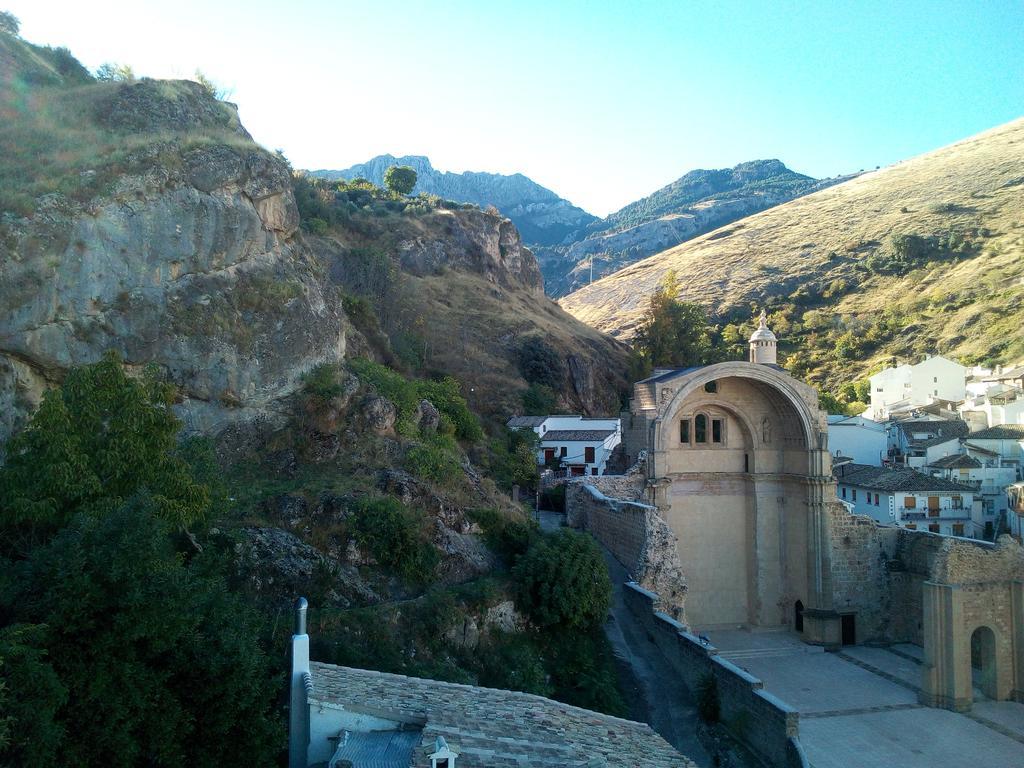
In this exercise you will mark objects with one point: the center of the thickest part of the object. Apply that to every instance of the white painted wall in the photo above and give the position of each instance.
(891, 510)
(863, 440)
(935, 377)
(575, 451)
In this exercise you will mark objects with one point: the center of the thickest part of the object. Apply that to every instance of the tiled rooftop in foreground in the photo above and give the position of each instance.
(494, 728)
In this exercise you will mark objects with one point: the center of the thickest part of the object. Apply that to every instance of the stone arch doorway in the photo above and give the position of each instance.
(798, 620)
(983, 662)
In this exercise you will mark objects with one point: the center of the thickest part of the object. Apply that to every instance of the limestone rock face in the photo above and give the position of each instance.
(278, 564)
(193, 265)
(540, 215)
(427, 416)
(476, 242)
(380, 414)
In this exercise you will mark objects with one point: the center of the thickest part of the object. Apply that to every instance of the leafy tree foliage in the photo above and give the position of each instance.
(400, 179)
(158, 662)
(30, 696)
(9, 23)
(674, 333)
(540, 363)
(111, 71)
(539, 400)
(395, 536)
(562, 580)
(121, 652)
(93, 443)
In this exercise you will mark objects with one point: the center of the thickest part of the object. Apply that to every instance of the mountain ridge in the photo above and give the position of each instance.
(541, 216)
(917, 257)
(697, 202)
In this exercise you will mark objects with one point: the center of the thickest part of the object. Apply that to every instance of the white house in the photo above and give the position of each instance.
(1005, 441)
(863, 440)
(1001, 404)
(987, 475)
(581, 445)
(934, 378)
(910, 499)
(917, 442)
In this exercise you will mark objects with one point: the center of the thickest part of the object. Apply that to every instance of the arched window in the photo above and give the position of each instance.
(700, 428)
(684, 431)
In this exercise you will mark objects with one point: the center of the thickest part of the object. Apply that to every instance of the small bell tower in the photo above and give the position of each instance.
(763, 344)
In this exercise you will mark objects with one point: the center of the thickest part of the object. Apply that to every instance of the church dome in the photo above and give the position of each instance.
(763, 343)
(763, 332)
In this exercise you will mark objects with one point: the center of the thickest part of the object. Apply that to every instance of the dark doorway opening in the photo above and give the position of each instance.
(849, 629)
(799, 620)
(983, 661)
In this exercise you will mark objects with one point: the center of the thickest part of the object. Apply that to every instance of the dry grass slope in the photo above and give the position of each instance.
(968, 306)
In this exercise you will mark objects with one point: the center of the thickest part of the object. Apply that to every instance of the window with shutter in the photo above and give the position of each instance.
(909, 502)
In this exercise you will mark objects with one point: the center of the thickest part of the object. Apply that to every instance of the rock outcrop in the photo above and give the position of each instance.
(540, 215)
(192, 262)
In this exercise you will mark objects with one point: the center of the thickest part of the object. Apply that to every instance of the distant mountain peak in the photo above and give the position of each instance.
(543, 218)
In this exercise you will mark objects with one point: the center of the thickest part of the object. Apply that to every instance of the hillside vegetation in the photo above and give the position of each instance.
(923, 256)
(541, 216)
(695, 203)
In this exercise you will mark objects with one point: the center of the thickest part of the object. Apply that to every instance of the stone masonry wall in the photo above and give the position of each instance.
(632, 531)
(766, 725)
(879, 571)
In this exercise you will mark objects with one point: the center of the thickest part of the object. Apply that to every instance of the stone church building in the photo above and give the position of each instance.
(730, 515)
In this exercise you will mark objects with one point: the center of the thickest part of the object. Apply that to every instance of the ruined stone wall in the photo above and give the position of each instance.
(861, 557)
(878, 572)
(632, 531)
(766, 725)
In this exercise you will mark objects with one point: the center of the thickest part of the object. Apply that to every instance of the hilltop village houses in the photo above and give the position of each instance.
(941, 448)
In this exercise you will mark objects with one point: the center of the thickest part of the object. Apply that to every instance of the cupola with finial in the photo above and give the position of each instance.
(763, 343)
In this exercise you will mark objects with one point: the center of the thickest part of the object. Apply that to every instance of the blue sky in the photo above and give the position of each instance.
(602, 102)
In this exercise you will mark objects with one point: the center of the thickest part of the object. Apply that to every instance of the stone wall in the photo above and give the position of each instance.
(763, 723)
(632, 531)
(879, 572)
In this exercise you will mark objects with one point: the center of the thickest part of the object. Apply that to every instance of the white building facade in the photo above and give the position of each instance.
(579, 445)
(934, 378)
(855, 437)
(910, 499)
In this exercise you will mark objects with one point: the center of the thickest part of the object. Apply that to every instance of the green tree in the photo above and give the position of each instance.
(9, 23)
(539, 400)
(30, 696)
(110, 71)
(93, 443)
(540, 363)
(400, 179)
(673, 333)
(395, 536)
(160, 662)
(563, 580)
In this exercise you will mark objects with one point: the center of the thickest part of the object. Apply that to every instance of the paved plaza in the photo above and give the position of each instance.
(859, 709)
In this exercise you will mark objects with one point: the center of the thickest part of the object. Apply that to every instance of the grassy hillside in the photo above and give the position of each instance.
(764, 177)
(926, 255)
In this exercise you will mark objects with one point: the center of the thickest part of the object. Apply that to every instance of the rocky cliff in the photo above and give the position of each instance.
(541, 216)
(190, 260)
(156, 227)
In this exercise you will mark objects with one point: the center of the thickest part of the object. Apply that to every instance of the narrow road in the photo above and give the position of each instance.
(671, 710)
